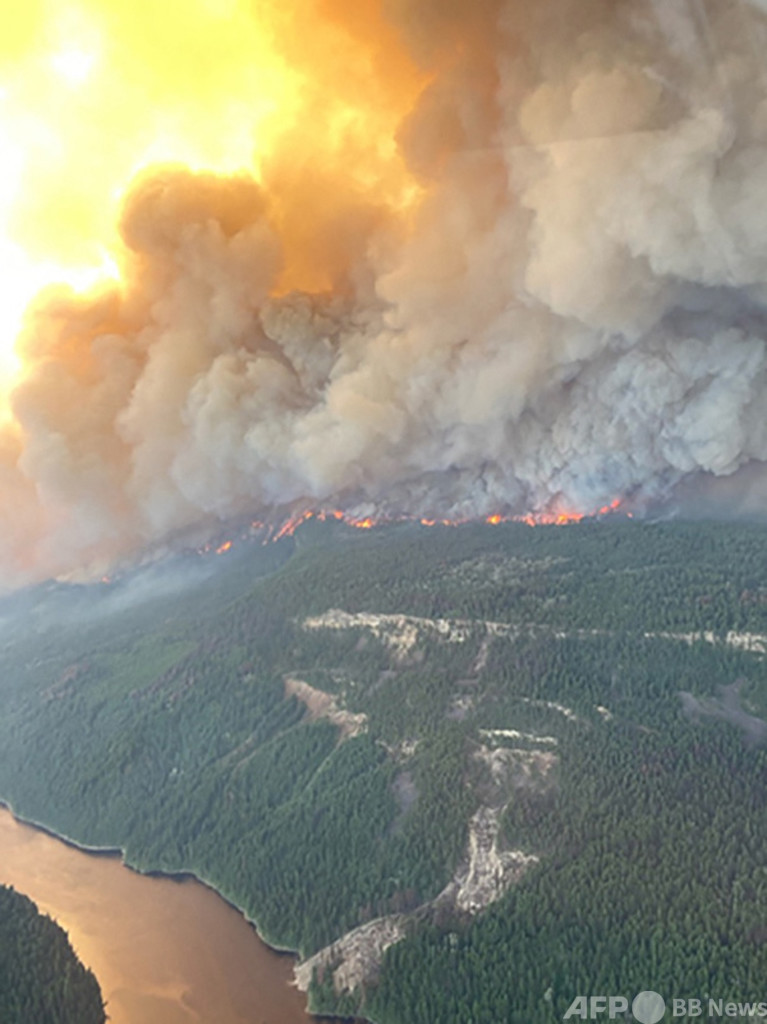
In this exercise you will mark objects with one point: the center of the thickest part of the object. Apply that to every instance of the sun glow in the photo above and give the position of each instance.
(93, 92)
(74, 66)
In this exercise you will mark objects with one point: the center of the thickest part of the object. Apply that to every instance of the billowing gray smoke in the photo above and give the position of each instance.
(576, 312)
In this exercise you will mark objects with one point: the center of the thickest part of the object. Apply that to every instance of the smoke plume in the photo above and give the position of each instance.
(561, 301)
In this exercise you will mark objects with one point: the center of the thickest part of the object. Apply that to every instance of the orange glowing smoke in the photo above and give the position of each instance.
(318, 302)
(93, 91)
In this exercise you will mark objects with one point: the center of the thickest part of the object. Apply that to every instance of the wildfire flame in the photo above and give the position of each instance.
(270, 534)
(314, 254)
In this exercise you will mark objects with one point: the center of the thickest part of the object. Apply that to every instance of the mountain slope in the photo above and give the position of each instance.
(531, 756)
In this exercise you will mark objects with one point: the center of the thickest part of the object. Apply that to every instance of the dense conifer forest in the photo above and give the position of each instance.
(41, 979)
(598, 690)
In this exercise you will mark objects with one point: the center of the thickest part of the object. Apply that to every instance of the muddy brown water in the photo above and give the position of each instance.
(164, 951)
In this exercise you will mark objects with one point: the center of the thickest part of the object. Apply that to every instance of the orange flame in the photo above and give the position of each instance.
(289, 527)
(363, 524)
(612, 507)
(551, 517)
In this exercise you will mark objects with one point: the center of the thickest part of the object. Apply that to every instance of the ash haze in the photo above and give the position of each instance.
(530, 274)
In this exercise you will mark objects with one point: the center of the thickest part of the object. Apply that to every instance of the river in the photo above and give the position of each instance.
(164, 951)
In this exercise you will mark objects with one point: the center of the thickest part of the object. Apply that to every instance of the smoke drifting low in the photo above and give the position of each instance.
(564, 303)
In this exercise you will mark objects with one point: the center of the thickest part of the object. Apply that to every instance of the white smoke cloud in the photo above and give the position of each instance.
(577, 314)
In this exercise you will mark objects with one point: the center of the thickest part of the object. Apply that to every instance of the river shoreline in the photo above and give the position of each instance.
(116, 853)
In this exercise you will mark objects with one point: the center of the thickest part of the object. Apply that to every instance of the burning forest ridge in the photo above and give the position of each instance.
(271, 532)
(423, 257)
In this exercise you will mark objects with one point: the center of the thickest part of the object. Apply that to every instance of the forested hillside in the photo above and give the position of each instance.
(41, 979)
(536, 753)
